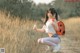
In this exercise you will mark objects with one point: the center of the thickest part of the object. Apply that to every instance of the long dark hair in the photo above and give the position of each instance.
(53, 12)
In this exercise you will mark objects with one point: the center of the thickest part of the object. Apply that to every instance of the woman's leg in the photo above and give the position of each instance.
(49, 41)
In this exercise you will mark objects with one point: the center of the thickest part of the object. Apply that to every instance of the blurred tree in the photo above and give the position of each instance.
(67, 9)
(16, 7)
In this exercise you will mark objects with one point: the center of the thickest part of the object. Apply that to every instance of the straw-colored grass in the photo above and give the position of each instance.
(72, 27)
(17, 36)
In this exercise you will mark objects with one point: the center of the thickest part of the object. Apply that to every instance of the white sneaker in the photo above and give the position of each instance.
(56, 48)
(49, 48)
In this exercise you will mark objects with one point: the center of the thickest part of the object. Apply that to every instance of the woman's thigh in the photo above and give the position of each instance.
(51, 39)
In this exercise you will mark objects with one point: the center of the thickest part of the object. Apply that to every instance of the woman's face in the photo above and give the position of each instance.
(49, 14)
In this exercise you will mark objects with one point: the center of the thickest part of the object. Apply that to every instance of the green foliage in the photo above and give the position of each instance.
(67, 9)
(16, 7)
(28, 9)
(24, 8)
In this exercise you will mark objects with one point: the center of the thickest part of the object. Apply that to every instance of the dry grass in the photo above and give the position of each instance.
(17, 36)
(72, 27)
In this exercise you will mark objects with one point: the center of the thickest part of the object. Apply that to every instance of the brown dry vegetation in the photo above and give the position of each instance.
(17, 36)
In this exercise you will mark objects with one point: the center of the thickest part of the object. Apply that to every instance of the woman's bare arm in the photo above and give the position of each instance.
(39, 30)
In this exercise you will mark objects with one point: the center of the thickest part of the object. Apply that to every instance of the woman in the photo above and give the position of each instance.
(50, 27)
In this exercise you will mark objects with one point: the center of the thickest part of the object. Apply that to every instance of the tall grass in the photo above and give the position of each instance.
(72, 27)
(17, 36)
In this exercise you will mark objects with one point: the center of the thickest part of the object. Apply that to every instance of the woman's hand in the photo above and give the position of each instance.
(39, 30)
(34, 27)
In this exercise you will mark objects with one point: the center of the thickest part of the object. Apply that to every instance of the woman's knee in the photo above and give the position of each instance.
(57, 41)
(40, 40)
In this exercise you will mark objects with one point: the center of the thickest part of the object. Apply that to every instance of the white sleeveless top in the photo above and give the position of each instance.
(49, 28)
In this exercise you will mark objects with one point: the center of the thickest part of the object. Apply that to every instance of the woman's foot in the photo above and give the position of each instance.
(49, 48)
(56, 48)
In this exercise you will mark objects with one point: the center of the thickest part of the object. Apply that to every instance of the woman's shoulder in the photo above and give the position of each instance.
(52, 21)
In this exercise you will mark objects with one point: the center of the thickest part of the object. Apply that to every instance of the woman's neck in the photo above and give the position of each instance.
(51, 17)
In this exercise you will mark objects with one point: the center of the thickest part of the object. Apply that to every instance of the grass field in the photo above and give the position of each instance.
(17, 36)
